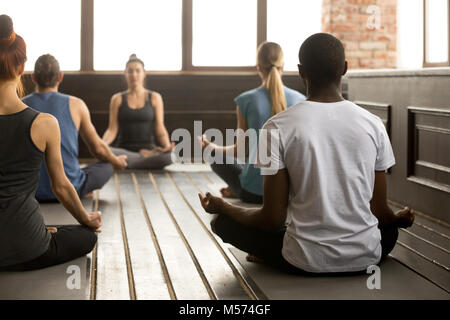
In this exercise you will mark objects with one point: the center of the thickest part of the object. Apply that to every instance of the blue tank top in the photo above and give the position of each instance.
(57, 104)
(256, 109)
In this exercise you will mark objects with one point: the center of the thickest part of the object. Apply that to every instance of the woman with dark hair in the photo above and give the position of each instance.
(136, 119)
(27, 137)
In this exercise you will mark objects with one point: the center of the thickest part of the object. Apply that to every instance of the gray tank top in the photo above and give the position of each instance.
(23, 234)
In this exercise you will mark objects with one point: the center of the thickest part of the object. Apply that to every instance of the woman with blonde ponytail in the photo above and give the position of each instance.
(254, 108)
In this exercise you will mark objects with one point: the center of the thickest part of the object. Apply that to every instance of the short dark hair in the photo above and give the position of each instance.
(46, 71)
(322, 57)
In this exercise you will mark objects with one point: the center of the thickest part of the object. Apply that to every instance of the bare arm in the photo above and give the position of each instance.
(97, 146)
(113, 126)
(45, 133)
(380, 209)
(161, 133)
(272, 215)
(240, 139)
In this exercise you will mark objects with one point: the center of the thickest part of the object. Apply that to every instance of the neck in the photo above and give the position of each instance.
(136, 89)
(44, 90)
(8, 94)
(328, 94)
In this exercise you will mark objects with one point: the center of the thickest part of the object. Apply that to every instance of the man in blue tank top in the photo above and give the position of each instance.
(73, 117)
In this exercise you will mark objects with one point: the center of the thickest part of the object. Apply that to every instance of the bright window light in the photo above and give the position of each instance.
(48, 26)
(224, 33)
(151, 29)
(289, 23)
(436, 31)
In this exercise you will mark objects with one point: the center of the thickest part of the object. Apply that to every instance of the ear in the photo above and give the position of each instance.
(258, 68)
(60, 77)
(345, 68)
(33, 77)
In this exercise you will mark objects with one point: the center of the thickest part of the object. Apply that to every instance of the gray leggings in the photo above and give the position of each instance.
(136, 160)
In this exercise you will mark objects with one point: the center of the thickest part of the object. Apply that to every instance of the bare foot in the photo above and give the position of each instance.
(89, 195)
(227, 193)
(252, 258)
(405, 218)
(148, 153)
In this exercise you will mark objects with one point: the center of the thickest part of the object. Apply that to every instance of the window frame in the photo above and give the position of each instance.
(427, 64)
(87, 39)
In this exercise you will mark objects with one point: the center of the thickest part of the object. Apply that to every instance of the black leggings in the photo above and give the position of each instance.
(268, 245)
(230, 174)
(68, 243)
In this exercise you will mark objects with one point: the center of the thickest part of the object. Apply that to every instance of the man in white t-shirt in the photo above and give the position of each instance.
(325, 176)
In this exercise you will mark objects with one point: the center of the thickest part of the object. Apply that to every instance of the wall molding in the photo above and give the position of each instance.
(413, 160)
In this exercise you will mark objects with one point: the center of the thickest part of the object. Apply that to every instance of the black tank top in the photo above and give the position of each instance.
(23, 235)
(136, 126)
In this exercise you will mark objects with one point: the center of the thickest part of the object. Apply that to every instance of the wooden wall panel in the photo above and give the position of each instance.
(429, 147)
(402, 89)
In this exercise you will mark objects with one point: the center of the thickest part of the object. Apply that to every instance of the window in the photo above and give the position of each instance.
(289, 23)
(150, 28)
(48, 26)
(224, 33)
(436, 32)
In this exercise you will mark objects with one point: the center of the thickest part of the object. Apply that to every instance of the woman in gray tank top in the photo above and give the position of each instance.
(136, 123)
(27, 135)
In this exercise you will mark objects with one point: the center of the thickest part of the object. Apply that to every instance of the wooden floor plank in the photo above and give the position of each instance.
(213, 178)
(430, 236)
(434, 253)
(426, 222)
(112, 277)
(174, 203)
(55, 214)
(52, 283)
(433, 226)
(183, 274)
(148, 278)
(430, 271)
(396, 283)
(218, 270)
(202, 184)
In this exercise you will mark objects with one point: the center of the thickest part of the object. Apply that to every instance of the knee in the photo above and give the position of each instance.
(213, 224)
(89, 240)
(217, 226)
(169, 159)
(109, 169)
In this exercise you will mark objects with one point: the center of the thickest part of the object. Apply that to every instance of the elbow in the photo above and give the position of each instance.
(99, 150)
(60, 189)
(275, 225)
(273, 222)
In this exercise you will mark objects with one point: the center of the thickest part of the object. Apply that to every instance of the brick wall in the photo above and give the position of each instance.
(368, 29)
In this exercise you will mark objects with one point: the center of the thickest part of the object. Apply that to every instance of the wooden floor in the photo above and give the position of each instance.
(156, 243)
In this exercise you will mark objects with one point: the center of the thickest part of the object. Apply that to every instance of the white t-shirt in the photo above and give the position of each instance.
(331, 152)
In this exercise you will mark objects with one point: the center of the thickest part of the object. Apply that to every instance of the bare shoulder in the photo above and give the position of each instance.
(117, 97)
(77, 104)
(157, 100)
(116, 100)
(45, 122)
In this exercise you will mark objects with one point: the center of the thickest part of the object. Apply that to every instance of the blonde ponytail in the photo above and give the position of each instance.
(276, 92)
(270, 60)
